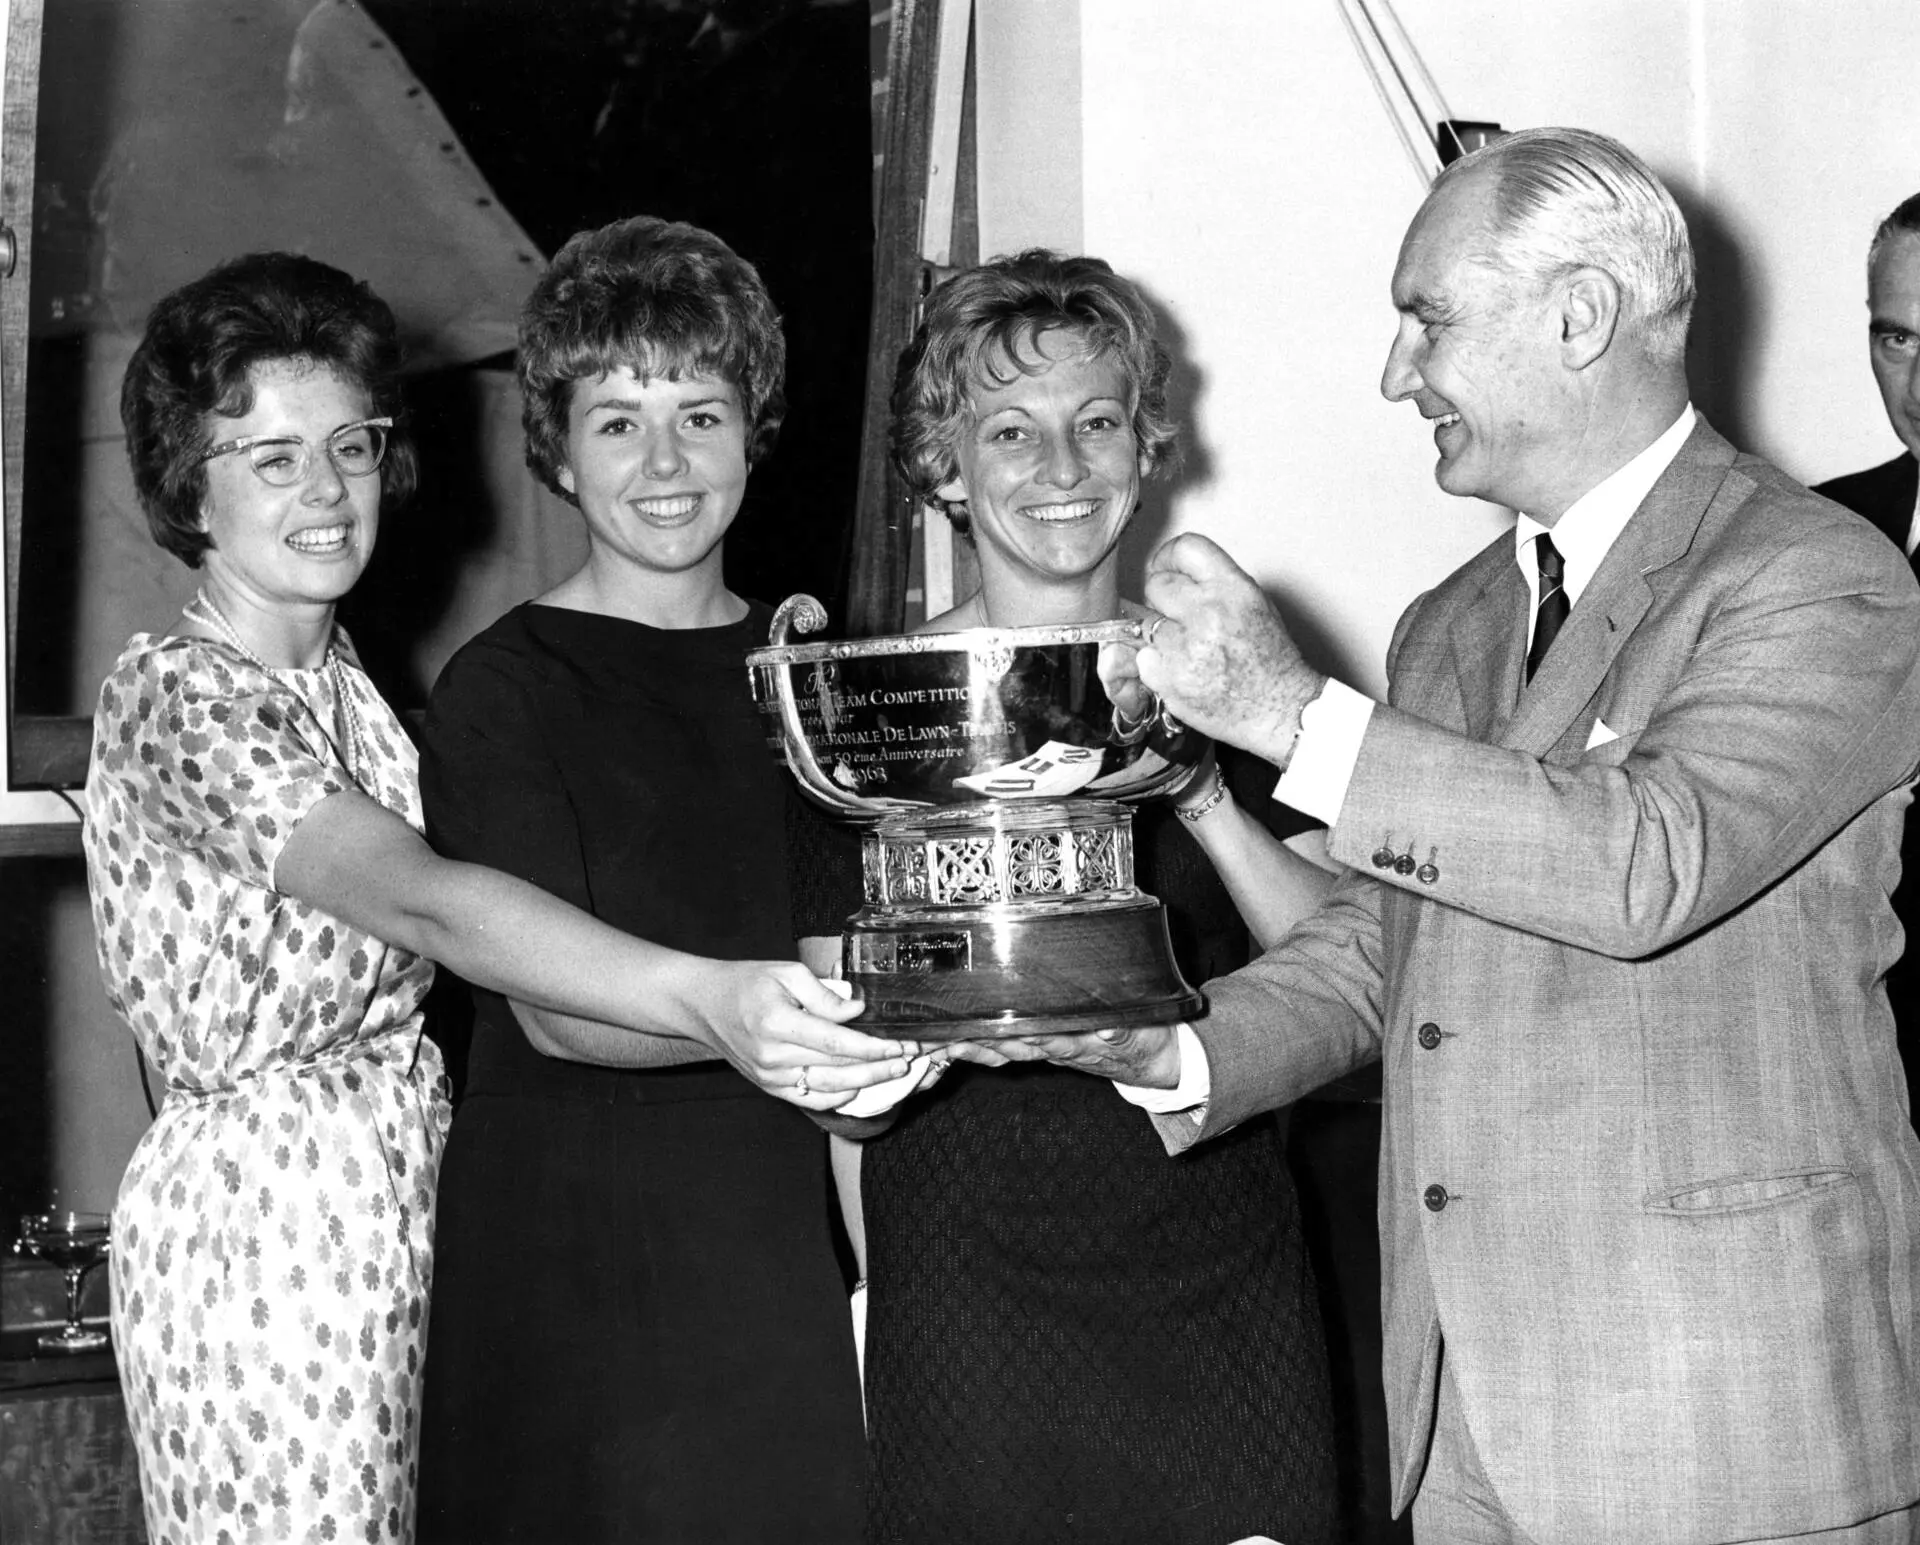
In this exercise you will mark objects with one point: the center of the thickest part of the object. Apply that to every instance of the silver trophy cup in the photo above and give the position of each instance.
(998, 870)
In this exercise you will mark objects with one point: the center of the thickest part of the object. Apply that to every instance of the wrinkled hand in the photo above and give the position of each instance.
(1222, 660)
(1147, 1055)
(775, 1020)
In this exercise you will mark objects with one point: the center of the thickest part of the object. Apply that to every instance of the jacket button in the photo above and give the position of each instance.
(1426, 874)
(1383, 858)
(1403, 864)
(1435, 1197)
(1429, 1036)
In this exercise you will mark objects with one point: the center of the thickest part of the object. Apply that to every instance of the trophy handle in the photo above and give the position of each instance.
(798, 613)
(1181, 745)
(803, 614)
(1130, 732)
(1157, 724)
(1182, 749)
(1164, 734)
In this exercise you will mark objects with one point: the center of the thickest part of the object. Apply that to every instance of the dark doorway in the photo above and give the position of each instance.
(748, 117)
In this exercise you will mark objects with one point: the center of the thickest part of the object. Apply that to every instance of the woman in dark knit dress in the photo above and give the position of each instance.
(639, 1329)
(1070, 1335)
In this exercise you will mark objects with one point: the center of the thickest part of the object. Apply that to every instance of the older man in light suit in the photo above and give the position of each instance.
(1621, 841)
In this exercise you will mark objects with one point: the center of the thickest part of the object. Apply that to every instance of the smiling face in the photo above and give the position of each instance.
(285, 549)
(1893, 306)
(659, 467)
(1476, 352)
(1048, 466)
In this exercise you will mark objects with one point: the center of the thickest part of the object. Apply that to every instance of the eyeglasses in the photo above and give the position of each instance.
(356, 450)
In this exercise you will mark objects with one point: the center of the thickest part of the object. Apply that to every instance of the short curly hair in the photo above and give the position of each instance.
(660, 298)
(195, 363)
(994, 312)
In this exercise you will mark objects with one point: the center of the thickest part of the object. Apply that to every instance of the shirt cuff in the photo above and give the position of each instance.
(1331, 729)
(1190, 1094)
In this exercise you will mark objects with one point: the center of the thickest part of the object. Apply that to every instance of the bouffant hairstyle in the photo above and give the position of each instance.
(194, 364)
(984, 319)
(662, 299)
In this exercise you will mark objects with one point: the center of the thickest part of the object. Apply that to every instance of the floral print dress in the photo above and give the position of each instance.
(273, 1237)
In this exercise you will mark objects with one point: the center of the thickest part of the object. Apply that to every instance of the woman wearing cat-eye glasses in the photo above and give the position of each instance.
(267, 916)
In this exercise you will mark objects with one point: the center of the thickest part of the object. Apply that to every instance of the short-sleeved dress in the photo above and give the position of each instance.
(640, 1331)
(273, 1237)
(1071, 1335)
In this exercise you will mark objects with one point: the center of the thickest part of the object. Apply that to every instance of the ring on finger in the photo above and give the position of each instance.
(800, 1084)
(1153, 628)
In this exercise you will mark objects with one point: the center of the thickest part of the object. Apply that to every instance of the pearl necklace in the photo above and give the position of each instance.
(353, 751)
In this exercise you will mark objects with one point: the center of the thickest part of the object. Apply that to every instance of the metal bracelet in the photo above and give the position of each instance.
(1218, 792)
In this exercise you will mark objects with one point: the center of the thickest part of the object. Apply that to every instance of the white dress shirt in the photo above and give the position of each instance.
(1333, 725)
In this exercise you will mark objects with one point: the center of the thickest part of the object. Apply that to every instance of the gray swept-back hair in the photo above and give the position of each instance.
(1571, 198)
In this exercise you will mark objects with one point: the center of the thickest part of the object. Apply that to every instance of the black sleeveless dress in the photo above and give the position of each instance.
(1071, 1335)
(638, 1329)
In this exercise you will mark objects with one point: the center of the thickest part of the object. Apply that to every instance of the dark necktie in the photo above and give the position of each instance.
(1554, 604)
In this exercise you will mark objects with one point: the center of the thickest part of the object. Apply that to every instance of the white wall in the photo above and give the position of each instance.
(1028, 90)
(1813, 135)
(1234, 159)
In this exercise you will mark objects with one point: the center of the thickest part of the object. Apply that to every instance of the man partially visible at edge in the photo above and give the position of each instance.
(1889, 496)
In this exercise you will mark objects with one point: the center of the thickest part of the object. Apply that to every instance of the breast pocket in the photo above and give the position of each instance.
(1607, 747)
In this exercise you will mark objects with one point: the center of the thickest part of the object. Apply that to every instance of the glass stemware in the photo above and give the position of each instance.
(73, 1241)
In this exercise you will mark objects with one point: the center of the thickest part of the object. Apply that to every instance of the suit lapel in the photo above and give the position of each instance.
(1619, 595)
(1490, 648)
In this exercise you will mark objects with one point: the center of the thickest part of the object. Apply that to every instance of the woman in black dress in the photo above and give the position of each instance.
(639, 1330)
(1070, 1335)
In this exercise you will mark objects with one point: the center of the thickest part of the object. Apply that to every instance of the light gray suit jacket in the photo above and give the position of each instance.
(1629, 1002)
